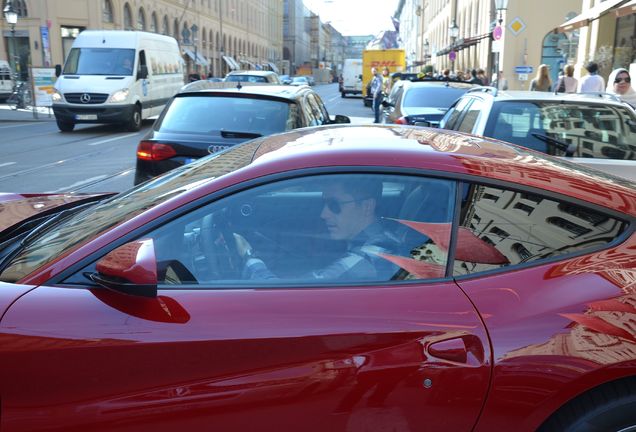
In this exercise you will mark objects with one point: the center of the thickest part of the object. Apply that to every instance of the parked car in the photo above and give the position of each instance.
(205, 118)
(504, 300)
(6, 80)
(411, 102)
(285, 79)
(310, 79)
(299, 81)
(253, 76)
(598, 131)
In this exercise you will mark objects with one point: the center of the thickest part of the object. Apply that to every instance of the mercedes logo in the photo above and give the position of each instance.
(85, 98)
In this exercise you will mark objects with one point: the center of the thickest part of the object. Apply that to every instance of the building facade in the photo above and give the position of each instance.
(215, 36)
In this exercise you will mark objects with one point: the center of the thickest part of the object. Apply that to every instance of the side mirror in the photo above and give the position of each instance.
(129, 269)
(143, 72)
(385, 103)
(339, 119)
(58, 70)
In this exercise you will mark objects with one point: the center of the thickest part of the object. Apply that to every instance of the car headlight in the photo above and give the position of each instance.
(57, 96)
(120, 96)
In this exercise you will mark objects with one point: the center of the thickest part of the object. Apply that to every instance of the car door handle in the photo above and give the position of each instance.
(465, 349)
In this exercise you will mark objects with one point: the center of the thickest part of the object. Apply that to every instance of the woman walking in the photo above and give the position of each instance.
(542, 81)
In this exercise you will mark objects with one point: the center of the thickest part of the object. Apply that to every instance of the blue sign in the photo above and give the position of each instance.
(523, 69)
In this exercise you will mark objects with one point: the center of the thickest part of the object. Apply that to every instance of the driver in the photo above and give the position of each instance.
(349, 213)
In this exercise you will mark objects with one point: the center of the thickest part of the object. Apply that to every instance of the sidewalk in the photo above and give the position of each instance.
(23, 115)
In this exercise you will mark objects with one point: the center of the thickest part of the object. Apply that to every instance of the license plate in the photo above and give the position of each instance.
(86, 117)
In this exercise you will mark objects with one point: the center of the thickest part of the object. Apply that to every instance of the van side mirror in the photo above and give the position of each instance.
(143, 72)
(58, 70)
(341, 119)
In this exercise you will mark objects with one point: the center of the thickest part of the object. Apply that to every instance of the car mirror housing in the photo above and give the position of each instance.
(143, 72)
(129, 269)
(58, 70)
(339, 119)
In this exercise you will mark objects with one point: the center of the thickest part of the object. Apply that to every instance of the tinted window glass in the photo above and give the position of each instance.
(470, 117)
(432, 96)
(591, 130)
(499, 228)
(206, 114)
(450, 118)
(100, 61)
(320, 229)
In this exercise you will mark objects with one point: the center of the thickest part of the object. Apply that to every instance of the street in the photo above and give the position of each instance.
(37, 157)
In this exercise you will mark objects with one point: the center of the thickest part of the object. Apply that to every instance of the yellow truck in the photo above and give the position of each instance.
(394, 59)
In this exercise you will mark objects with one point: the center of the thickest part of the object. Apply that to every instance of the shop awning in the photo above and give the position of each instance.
(232, 64)
(198, 58)
(588, 16)
(251, 65)
(626, 9)
(273, 67)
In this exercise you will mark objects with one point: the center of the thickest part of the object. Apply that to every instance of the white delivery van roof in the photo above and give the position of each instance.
(117, 38)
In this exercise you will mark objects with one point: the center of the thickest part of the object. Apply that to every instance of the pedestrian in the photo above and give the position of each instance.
(481, 74)
(593, 82)
(567, 83)
(500, 82)
(541, 81)
(620, 84)
(474, 79)
(445, 76)
(386, 81)
(376, 92)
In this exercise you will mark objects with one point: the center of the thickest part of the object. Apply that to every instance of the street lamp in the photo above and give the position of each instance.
(500, 6)
(427, 47)
(453, 33)
(11, 16)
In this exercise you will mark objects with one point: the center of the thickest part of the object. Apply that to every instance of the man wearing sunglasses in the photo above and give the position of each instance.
(349, 213)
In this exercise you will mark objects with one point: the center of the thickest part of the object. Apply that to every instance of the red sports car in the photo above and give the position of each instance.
(326, 279)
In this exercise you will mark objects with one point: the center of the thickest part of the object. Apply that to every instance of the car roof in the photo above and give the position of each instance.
(438, 83)
(450, 153)
(252, 72)
(509, 95)
(232, 88)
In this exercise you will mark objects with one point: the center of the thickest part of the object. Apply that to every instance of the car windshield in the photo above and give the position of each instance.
(100, 61)
(79, 228)
(206, 113)
(436, 96)
(590, 130)
(300, 80)
(246, 78)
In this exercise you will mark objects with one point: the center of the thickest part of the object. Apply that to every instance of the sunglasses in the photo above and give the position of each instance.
(335, 206)
(626, 79)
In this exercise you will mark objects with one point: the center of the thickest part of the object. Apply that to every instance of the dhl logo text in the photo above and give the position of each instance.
(383, 63)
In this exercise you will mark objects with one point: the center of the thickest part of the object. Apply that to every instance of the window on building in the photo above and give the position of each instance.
(128, 20)
(107, 11)
(154, 26)
(141, 19)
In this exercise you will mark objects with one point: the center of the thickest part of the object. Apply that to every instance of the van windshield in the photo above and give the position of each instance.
(100, 61)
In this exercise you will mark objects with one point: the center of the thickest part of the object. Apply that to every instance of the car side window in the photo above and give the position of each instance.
(325, 229)
(454, 113)
(500, 228)
(472, 112)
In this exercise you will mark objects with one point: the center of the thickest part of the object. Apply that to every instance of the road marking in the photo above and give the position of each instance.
(7, 164)
(17, 125)
(334, 98)
(112, 139)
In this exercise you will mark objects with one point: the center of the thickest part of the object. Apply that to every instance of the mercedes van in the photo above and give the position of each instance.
(6, 80)
(113, 76)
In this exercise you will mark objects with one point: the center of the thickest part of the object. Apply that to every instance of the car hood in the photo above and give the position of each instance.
(16, 208)
(9, 293)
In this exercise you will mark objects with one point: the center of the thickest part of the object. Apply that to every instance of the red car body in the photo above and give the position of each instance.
(485, 353)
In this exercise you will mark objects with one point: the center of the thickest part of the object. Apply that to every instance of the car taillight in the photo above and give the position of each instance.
(401, 120)
(152, 151)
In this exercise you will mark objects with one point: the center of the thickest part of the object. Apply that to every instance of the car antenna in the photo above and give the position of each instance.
(239, 86)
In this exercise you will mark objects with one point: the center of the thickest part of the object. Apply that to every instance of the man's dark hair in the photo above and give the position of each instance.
(592, 67)
(360, 186)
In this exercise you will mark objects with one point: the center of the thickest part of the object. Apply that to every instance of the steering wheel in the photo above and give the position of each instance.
(219, 246)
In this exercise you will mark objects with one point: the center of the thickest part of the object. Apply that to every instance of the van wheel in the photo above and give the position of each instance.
(343, 94)
(65, 126)
(134, 124)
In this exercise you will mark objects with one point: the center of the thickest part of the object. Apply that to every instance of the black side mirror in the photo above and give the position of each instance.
(339, 119)
(143, 72)
(58, 70)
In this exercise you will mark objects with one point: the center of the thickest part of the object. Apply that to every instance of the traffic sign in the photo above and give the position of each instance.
(497, 33)
(523, 69)
(452, 55)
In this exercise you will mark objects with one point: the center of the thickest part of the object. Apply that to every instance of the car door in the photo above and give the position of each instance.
(399, 348)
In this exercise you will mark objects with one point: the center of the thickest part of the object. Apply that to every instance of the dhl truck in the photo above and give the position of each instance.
(394, 59)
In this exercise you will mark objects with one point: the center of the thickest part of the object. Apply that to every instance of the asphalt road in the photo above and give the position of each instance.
(36, 157)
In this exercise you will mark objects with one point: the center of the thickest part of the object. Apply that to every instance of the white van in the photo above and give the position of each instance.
(116, 77)
(6, 80)
(351, 77)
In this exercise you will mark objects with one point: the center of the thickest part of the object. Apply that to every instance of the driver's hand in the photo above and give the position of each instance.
(243, 247)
